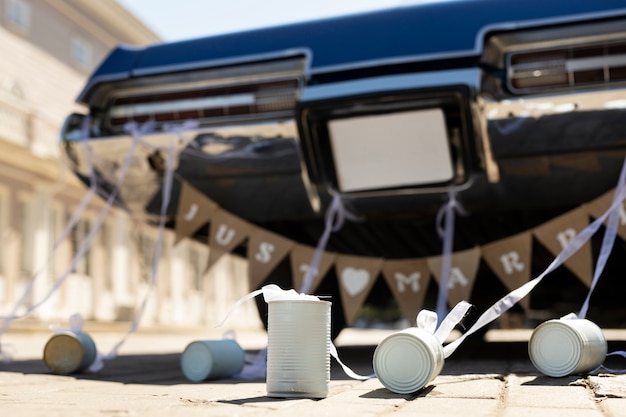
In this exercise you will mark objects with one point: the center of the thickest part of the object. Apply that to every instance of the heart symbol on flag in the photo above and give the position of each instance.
(354, 280)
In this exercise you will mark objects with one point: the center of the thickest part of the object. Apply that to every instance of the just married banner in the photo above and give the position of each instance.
(408, 279)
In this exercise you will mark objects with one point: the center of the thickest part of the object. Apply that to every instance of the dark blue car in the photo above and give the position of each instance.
(519, 106)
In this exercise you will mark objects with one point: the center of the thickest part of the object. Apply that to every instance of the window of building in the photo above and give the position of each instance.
(78, 236)
(55, 227)
(106, 236)
(18, 13)
(81, 53)
(4, 228)
(148, 247)
(24, 221)
(198, 259)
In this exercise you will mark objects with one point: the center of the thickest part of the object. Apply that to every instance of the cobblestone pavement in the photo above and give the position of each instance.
(145, 379)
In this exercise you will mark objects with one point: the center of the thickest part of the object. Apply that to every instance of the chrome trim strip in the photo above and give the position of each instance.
(130, 110)
(306, 53)
(601, 62)
(545, 105)
(385, 84)
(491, 166)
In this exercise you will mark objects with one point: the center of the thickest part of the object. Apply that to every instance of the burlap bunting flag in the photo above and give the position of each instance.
(408, 281)
(301, 257)
(557, 233)
(227, 232)
(462, 274)
(356, 275)
(510, 260)
(265, 251)
(194, 211)
(597, 207)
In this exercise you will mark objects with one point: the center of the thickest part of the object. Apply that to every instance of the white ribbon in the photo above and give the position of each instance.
(427, 320)
(605, 250)
(620, 353)
(273, 292)
(85, 244)
(6, 321)
(447, 234)
(76, 324)
(176, 134)
(336, 216)
(506, 302)
(607, 242)
(7, 351)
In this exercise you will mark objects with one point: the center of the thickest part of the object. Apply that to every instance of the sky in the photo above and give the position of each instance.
(183, 19)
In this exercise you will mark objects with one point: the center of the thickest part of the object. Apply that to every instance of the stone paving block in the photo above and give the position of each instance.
(608, 385)
(488, 386)
(365, 399)
(475, 366)
(545, 392)
(613, 407)
(551, 412)
(449, 407)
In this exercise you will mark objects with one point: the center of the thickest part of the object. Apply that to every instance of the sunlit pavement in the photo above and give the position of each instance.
(145, 379)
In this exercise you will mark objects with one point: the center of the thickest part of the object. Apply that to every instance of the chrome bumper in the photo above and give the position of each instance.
(248, 168)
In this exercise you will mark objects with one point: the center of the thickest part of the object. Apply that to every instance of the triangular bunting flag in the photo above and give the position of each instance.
(597, 207)
(510, 259)
(557, 233)
(463, 272)
(408, 281)
(194, 211)
(301, 260)
(265, 251)
(227, 232)
(356, 275)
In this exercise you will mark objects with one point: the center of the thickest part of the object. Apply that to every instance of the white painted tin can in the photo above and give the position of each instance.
(563, 347)
(212, 359)
(68, 352)
(298, 350)
(406, 361)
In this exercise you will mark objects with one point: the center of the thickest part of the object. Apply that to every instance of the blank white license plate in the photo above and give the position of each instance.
(391, 150)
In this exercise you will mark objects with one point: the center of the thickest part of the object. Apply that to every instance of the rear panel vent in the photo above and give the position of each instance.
(206, 104)
(566, 67)
(253, 92)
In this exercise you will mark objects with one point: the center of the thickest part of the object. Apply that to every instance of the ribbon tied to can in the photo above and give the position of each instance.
(406, 361)
(427, 320)
(272, 293)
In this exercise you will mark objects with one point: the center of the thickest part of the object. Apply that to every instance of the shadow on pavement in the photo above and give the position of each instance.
(383, 393)
(261, 399)
(164, 369)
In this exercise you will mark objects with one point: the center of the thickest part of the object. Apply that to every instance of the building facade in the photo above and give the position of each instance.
(48, 49)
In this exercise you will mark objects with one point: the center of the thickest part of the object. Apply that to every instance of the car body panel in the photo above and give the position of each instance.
(511, 149)
(454, 28)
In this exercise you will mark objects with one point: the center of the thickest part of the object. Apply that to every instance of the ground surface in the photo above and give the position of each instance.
(145, 379)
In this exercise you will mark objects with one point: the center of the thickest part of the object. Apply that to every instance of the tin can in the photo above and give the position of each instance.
(212, 359)
(298, 350)
(406, 361)
(69, 352)
(563, 347)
